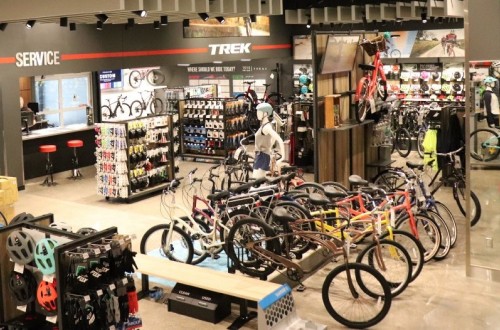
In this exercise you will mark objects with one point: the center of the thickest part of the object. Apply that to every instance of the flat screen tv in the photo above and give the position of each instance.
(340, 54)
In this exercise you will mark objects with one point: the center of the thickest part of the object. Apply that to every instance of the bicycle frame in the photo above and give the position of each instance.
(372, 79)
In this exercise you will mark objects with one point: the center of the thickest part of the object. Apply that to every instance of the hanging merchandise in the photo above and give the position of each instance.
(45, 256)
(430, 145)
(22, 287)
(46, 296)
(20, 247)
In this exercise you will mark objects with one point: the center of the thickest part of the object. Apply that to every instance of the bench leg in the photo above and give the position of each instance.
(244, 317)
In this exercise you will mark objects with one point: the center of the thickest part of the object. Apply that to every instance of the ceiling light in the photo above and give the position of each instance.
(217, 62)
(156, 25)
(253, 18)
(203, 16)
(183, 64)
(3, 26)
(63, 22)
(141, 13)
(130, 22)
(72, 26)
(100, 25)
(164, 20)
(245, 60)
(102, 17)
(399, 19)
(30, 24)
(424, 17)
(185, 23)
(309, 23)
(220, 19)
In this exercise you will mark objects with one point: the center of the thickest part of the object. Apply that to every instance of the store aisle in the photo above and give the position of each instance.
(442, 297)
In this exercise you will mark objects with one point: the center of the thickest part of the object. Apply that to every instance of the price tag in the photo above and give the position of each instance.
(125, 281)
(48, 278)
(52, 319)
(112, 327)
(86, 298)
(400, 120)
(107, 247)
(18, 268)
(112, 286)
(97, 251)
(22, 308)
(99, 292)
(85, 255)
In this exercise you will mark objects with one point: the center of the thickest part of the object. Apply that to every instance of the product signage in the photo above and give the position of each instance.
(229, 49)
(43, 58)
(110, 76)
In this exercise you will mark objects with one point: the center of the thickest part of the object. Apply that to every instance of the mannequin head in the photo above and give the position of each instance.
(489, 81)
(264, 110)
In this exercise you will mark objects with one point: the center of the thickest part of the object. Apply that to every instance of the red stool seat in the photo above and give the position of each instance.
(48, 148)
(75, 143)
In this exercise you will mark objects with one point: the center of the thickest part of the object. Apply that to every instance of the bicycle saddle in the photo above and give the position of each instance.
(412, 165)
(258, 182)
(331, 192)
(357, 180)
(218, 196)
(280, 214)
(366, 67)
(266, 85)
(242, 188)
(318, 199)
(275, 180)
(286, 169)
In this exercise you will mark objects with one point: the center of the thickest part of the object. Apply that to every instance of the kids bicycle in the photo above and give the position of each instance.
(484, 144)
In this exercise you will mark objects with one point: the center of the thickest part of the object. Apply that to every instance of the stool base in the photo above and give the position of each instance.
(49, 170)
(75, 175)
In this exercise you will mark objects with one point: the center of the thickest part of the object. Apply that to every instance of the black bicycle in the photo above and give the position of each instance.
(108, 112)
(154, 104)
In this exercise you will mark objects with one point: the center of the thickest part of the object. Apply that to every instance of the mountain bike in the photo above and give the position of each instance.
(154, 77)
(107, 112)
(154, 104)
(374, 82)
(484, 144)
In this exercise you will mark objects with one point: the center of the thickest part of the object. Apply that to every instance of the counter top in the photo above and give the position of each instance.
(45, 132)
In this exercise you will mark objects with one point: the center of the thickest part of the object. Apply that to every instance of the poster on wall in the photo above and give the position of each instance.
(232, 27)
(302, 47)
(340, 54)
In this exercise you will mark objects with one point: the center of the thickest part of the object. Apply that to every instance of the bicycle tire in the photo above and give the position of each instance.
(481, 138)
(475, 204)
(243, 232)
(333, 294)
(395, 53)
(230, 218)
(137, 108)
(297, 244)
(311, 187)
(135, 79)
(183, 244)
(403, 142)
(412, 246)
(390, 179)
(336, 185)
(156, 106)
(155, 77)
(445, 244)
(427, 233)
(124, 107)
(397, 262)
(382, 89)
(199, 254)
(275, 99)
(420, 140)
(106, 113)
(449, 218)
(362, 105)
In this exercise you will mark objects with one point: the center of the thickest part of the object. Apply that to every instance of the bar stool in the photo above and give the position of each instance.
(49, 168)
(75, 172)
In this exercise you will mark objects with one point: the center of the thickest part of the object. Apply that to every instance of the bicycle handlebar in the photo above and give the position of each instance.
(451, 153)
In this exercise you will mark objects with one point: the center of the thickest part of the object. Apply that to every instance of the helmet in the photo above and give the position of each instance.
(266, 108)
(61, 226)
(46, 296)
(86, 231)
(45, 256)
(489, 80)
(20, 247)
(387, 35)
(303, 79)
(21, 217)
(22, 287)
(304, 90)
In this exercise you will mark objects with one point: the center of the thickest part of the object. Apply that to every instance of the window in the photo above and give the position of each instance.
(63, 99)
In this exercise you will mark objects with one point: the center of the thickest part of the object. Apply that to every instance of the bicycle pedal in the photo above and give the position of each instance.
(215, 256)
(301, 288)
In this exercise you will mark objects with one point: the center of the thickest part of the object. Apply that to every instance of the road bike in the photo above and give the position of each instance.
(484, 144)
(154, 77)
(450, 48)
(107, 112)
(374, 82)
(154, 104)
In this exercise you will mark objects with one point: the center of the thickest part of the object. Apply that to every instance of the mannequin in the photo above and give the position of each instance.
(265, 138)
(491, 102)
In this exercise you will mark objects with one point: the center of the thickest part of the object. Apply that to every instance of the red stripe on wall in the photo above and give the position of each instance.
(7, 60)
(265, 47)
(88, 56)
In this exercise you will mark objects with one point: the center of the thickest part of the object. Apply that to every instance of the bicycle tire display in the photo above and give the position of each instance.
(445, 245)
(484, 145)
(347, 302)
(176, 246)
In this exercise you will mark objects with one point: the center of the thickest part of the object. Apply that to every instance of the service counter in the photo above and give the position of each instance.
(34, 161)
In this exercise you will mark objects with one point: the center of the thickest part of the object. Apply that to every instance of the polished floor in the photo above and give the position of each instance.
(442, 297)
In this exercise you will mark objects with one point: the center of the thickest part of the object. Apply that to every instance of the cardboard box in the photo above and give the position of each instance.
(9, 194)
(8, 212)
(332, 111)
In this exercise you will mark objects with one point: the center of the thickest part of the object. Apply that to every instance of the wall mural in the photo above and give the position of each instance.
(232, 27)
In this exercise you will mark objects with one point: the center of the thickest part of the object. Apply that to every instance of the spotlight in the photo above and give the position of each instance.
(3, 26)
(72, 26)
(100, 25)
(141, 13)
(130, 22)
(164, 20)
(440, 20)
(432, 19)
(30, 24)
(185, 23)
(399, 19)
(253, 18)
(203, 16)
(424, 17)
(220, 19)
(156, 25)
(309, 22)
(103, 18)
(63, 22)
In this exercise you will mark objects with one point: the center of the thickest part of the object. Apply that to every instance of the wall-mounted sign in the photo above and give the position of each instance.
(51, 57)
(238, 48)
(110, 76)
(232, 27)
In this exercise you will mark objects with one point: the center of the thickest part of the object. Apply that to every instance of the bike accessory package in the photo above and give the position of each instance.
(415, 75)
(436, 75)
(405, 75)
(424, 75)
(45, 256)
(46, 296)
(22, 287)
(457, 87)
(424, 87)
(457, 75)
(21, 247)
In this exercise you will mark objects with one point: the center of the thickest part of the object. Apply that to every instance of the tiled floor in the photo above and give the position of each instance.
(442, 297)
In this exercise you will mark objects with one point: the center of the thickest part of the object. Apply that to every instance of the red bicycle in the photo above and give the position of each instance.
(374, 82)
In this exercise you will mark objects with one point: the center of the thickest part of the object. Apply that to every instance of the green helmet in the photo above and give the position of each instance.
(266, 108)
(387, 35)
(489, 79)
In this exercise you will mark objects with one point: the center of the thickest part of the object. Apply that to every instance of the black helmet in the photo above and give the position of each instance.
(22, 287)
(21, 217)
(86, 231)
(21, 247)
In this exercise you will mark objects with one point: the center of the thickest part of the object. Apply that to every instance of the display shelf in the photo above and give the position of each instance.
(347, 125)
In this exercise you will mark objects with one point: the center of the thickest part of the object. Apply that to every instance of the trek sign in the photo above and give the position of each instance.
(229, 49)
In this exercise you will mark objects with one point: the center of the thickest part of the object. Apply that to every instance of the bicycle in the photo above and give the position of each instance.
(354, 294)
(154, 104)
(154, 77)
(371, 84)
(484, 144)
(108, 113)
(450, 48)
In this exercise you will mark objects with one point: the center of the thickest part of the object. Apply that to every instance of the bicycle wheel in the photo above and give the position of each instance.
(403, 142)
(311, 187)
(484, 145)
(135, 79)
(412, 246)
(124, 108)
(254, 231)
(363, 104)
(392, 261)
(229, 219)
(420, 141)
(137, 108)
(445, 245)
(459, 194)
(390, 179)
(449, 218)
(382, 89)
(155, 77)
(395, 53)
(155, 242)
(275, 99)
(348, 303)
(297, 244)
(106, 113)
(156, 106)
(427, 232)
(199, 253)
